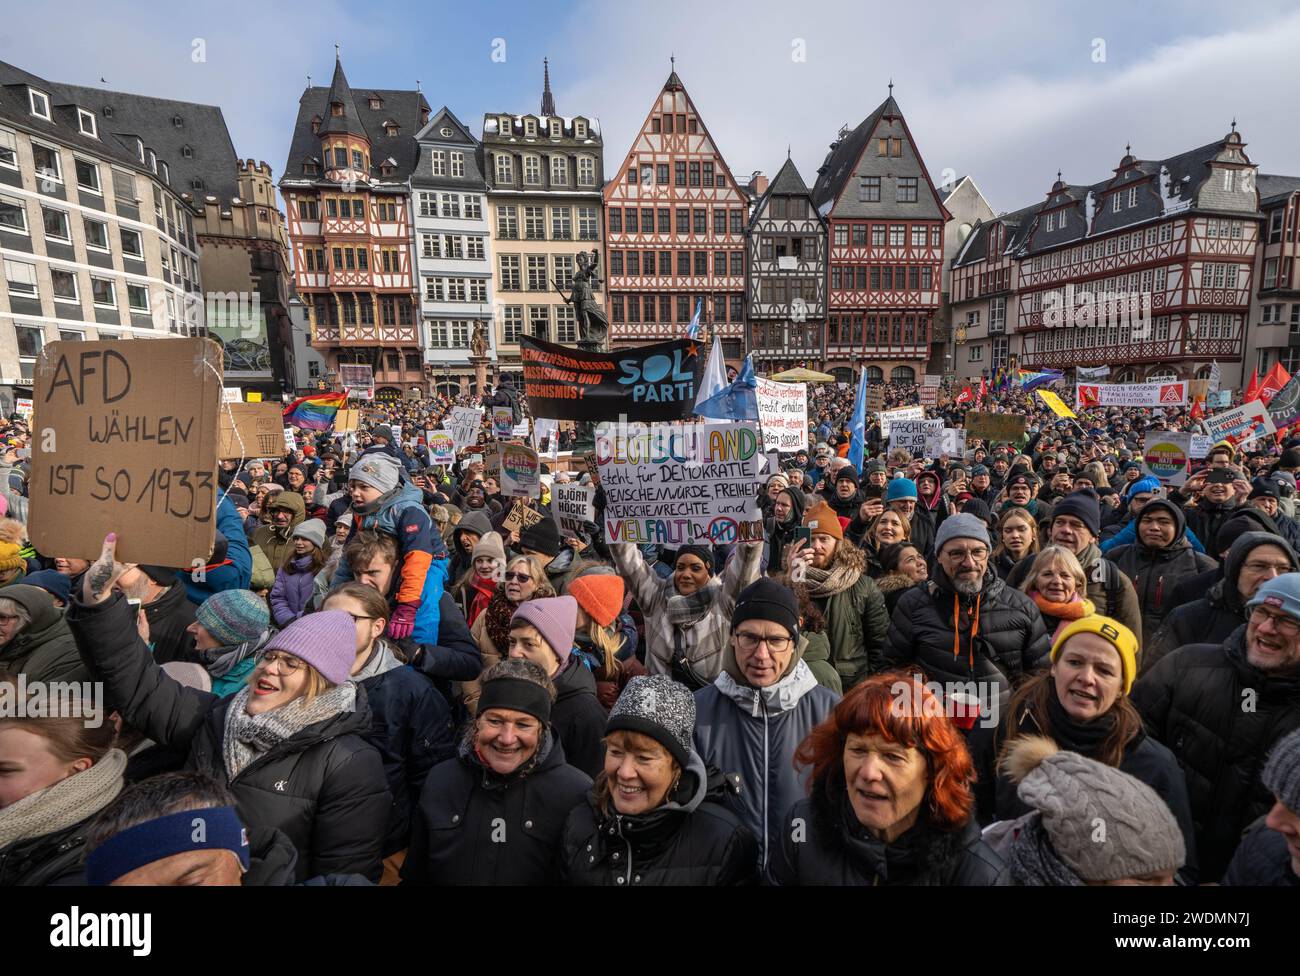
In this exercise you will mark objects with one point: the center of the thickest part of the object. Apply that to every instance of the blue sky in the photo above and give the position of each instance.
(1005, 92)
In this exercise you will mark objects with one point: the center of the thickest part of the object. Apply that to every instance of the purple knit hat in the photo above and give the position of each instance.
(555, 619)
(326, 640)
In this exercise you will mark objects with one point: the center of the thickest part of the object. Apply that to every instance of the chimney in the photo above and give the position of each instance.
(757, 183)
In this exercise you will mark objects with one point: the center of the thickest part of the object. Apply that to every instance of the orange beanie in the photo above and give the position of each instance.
(601, 595)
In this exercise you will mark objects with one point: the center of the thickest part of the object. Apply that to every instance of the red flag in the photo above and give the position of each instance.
(1252, 388)
(1198, 410)
(984, 388)
(965, 396)
(1089, 396)
(1277, 378)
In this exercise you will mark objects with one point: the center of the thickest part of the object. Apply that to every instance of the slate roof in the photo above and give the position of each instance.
(1273, 188)
(349, 123)
(1017, 223)
(787, 182)
(837, 168)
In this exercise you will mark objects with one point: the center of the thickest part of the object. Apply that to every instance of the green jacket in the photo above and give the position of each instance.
(263, 577)
(44, 650)
(856, 624)
(278, 545)
(815, 650)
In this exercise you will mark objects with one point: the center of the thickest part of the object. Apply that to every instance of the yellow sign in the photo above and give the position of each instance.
(1058, 406)
(254, 396)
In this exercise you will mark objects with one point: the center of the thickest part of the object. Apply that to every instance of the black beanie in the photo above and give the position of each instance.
(1247, 518)
(767, 599)
(1084, 506)
(159, 574)
(847, 473)
(544, 537)
(703, 553)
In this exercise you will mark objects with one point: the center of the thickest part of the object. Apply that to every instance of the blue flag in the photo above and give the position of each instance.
(858, 426)
(693, 330)
(738, 401)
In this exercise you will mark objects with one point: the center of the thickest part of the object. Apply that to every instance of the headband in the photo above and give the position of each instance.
(210, 829)
(517, 695)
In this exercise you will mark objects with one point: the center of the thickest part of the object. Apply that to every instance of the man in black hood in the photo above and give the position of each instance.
(1159, 559)
(787, 515)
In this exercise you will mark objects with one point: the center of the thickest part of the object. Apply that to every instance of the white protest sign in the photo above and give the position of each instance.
(1171, 394)
(912, 435)
(783, 415)
(397, 433)
(889, 417)
(442, 449)
(463, 426)
(1166, 454)
(572, 506)
(545, 434)
(677, 485)
(1241, 424)
(1215, 377)
(949, 440)
(289, 444)
(931, 379)
(1201, 445)
(232, 394)
(23, 405)
(520, 471)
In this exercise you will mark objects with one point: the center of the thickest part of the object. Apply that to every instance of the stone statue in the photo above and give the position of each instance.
(593, 326)
(478, 344)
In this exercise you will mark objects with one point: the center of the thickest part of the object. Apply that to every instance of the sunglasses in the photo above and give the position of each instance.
(517, 577)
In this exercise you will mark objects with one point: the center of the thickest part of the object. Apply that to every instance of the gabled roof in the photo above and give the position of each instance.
(1016, 224)
(349, 123)
(788, 180)
(1273, 188)
(837, 168)
(444, 117)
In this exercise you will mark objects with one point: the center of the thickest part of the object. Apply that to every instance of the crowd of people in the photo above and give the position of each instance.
(927, 670)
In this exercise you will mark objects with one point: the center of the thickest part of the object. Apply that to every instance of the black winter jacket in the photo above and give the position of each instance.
(1193, 701)
(691, 839)
(474, 827)
(834, 849)
(1206, 518)
(1263, 858)
(323, 786)
(1011, 640)
(578, 717)
(51, 859)
(168, 617)
(1155, 572)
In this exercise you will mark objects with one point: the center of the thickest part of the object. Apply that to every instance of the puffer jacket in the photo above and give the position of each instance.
(323, 786)
(834, 849)
(892, 586)
(693, 655)
(755, 732)
(277, 544)
(50, 859)
(475, 827)
(690, 839)
(1262, 859)
(294, 586)
(1206, 518)
(1107, 585)
(578, 717)
(1009, 642)
(856, 624)
(1193, 701)
(1155, 572)
(44, 650)
(1212, 618)
(169, 616)
(476, 522)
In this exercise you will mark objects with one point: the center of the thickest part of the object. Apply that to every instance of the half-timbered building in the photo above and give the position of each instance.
(346, 188)
(886, 222)
(675, 221)
(786, 276)
(1274, 333)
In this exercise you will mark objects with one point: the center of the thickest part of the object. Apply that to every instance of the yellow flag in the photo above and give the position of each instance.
(1058, 406)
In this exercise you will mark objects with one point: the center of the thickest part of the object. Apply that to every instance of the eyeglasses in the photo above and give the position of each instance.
(1257, 567)
(961, 555)
(750, 642)
(358, 617)
(517, 577)
(1287, 626)
(288, 663)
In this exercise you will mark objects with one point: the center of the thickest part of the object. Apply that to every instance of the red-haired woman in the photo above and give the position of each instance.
(890, 798)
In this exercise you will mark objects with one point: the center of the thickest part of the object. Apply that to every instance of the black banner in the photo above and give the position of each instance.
(648, 383)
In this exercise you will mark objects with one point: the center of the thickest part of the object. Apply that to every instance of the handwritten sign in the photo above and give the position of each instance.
(520, 471)
(573, 506)
(347, 420)
(675, 485)
(503, 421)
(463, 426)
(1201, 446)
(254, 433)
(890, 417)
(127, 443)
(521, 517)
(914, 436)
(1006, 427)
(783, 415)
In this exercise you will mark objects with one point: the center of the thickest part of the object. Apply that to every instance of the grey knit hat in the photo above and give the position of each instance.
(1104, 824)
(313, 529)
(657, 706)
(376, 470)
(963, 526)
(1282, 771)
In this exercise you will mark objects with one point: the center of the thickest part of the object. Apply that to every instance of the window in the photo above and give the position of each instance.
(132, 245)
(512, 323)
(21, 278)
(587, 226)
(473, 207)
(1114, 203)
(694, 169)
(869, 189)
(679, 173)
(8, 149)
(450, 204)
(701, 220)
(86, 123)
(897, 235)
(918, 235)
(474, 248)
(539, 322)
(505, 168)
(137, 297)
(478, 289)
(97, 237)
(533, 170)
(507, 223)
(587, 172)
(65, 285)
(103, 291)
(566, 326)
(88, 176)
(433, 290)
(30, 339)
(564, 271)
(737, 263)
(559, 171)
(561, 223)
(453, 246)
(439, 160)
(537, 272)
(358, 160)
(897, 147)
(47, 163)
(455, 289)
(906, 189)
(535, 223)
(882, 147)
(39, 103)
(56, 225)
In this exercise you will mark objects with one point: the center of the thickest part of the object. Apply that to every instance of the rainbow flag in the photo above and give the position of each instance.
(315, 412)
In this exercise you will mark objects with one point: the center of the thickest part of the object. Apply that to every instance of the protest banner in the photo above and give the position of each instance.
(1057, 405)
(572, 506)
(232, 394)
(521, 471)
(503, 421)
(521, 516)
(1091, 373)
(358, 379)
(783, 415)
(890, 417)
(1240, 424)
(1167, 455)
(912, 435)
(1284, 407)
(23, 406)
(676, 485)
(950, 441)
(290, 444)
(646, 383)
(929, 396)
(254, 432)
(347, 420)
(931, 379)
(463, 426)
(1172, 394)
(127, 443)
(1201, 445)
(442, 449)
(1004, 427)
(875, 398)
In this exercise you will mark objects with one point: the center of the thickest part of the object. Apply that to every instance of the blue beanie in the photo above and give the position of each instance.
(1141, 485)
(52, 582)
(900, 488)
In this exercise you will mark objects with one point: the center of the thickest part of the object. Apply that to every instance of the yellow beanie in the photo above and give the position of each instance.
(1120, 637)
(10, 558)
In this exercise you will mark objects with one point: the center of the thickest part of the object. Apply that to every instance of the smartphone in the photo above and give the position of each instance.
(135, 604)
(803, 532)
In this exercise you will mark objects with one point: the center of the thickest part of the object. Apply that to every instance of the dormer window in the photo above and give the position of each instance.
(530, 127)
(311, 168)
(178, 122)
(391, 129)
(139, 150)
(166, 174)
(315, 123)
(1060, 218)
(86, 123)
(557, 128)
(196, 184)
(376, 103)
(153, 161)
(386, 168)
(580, 129)
(187, 152)
(505, 125)
(1050, 221)
(39, 102)
(336, 109)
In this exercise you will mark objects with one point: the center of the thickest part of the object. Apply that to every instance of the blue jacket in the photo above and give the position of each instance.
(234, 575)
(428, 616)
(1128, 535)
(403, 517)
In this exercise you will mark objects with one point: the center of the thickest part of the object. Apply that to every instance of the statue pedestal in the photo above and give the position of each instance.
(480, 364)
(585, 429)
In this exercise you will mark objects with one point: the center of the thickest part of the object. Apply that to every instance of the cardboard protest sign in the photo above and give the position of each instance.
(677, 485)
(463, 425)
(503, 421)
(1201, 445)
(573, 505)
(929, 396)
(255, 431)
(521, 517)
(347, 420)
(520, 471)
(1005, 427)
(442, 449)
(1242, 424)
(127, 443)
(875, 398)
(911, 435)
(783, 415)
(890, 417)
(1167, 455)
(655, 382)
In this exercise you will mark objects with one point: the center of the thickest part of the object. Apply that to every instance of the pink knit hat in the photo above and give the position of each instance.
(326, 640)
(555, 619)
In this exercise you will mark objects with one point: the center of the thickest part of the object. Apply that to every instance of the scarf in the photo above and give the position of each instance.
(247, 736)
(1071, 735)
(220, 661)
(66, 803)
(1034, 862)
(825, 583)
(497, 620)
(477, 594)
(686, 611)
(1071, 610)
